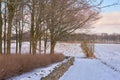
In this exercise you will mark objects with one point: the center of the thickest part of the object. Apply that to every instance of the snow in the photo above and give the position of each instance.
(109, 54)
(37, 74)
(90, 69)
(106, 66)
(69, 49)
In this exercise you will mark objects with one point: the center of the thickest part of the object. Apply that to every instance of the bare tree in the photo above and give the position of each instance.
(5, 22)
(37, 23)
(1, 22)
(11, 10)
(18, 23)
(58, 18)
(64, 17)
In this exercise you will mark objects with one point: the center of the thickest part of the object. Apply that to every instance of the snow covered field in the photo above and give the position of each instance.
(68, 49)
(109, 54)
(90, 69)
(105, 67)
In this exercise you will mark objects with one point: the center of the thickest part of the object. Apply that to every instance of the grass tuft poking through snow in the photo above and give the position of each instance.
(11, 65)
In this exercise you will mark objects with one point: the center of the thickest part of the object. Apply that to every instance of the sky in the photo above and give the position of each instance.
(110, 18)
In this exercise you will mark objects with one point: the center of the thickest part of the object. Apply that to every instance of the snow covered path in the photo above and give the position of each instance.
(90, 69)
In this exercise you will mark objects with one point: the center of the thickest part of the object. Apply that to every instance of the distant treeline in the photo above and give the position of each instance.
(101, 38)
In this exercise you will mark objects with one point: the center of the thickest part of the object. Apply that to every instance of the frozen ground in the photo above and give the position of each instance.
(105, 67)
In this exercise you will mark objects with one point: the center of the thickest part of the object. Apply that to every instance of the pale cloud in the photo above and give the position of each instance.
(109, 23)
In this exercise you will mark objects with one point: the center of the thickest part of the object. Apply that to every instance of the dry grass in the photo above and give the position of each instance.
(11, 65)
(87, 50)
(57, 58)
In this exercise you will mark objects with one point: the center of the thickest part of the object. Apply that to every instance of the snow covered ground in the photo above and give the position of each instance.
(90, 69)
(109, 54)
(68, 49)
(37, 74)
(105, 67)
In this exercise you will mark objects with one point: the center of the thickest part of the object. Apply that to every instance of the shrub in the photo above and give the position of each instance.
(57, 58)
(87, 48)
(11, 65)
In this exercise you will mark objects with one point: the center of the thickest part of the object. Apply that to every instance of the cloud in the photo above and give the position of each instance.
(109, 23)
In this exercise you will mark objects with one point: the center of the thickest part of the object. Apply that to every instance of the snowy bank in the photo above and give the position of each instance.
(40, 73)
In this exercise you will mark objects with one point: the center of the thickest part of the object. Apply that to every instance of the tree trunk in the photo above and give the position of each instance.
(45, 41)
(21, 33)
(5, 21)
(0, 28)
(9, 35)
(11, 11)
(20, 43)
(16, 37)
(52, 47)
(40, 45)
(34, 48)
(20, 38)
(32, 28)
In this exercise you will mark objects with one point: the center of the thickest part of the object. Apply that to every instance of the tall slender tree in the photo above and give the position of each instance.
(11, 10)
(5, 22)
(1, 23)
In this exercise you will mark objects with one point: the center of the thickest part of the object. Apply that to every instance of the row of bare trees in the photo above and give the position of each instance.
(107, 38)
(56, 18)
